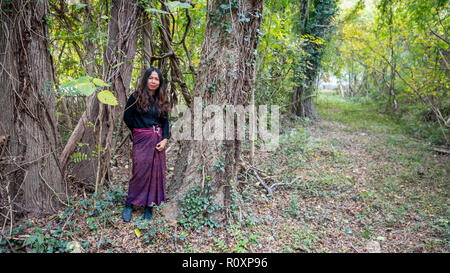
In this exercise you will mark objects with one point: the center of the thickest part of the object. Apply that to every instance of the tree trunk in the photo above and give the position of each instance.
(304, 106)
(95, 128)
(147, 45)
(225, 76)
(322, 14)
(32, 174)
(392, 95)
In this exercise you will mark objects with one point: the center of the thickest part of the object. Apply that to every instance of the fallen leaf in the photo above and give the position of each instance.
(138, 232)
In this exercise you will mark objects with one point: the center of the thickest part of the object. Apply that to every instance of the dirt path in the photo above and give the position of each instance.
(361, 191)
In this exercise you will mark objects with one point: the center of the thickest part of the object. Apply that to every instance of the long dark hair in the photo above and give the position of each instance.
(159, 100)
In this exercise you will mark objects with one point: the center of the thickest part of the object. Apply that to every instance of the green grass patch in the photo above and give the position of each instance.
(366, 114)
(359, 116)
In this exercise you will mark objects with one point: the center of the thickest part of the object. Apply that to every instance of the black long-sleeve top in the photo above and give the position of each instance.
(134, 119)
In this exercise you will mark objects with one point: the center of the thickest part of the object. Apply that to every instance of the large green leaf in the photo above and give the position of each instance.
(86, 88)
(84, 79)
(69, 84)
(100, 83)
(69, 87)
(107, 97)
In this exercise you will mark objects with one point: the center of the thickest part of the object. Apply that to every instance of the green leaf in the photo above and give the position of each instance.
(137, 232)
(79, 6)
(156, 10)
(99, 82)
(30, 240)
(38, 230)
(83, 79)
(69, 87)
(177, 4)
(69, 84)
(86, 88)
(40, 239)
(107, 97)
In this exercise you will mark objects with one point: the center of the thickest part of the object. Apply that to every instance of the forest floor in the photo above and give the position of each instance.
(353, 182)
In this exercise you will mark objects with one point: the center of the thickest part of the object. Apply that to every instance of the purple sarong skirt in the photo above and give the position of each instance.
(147, 186)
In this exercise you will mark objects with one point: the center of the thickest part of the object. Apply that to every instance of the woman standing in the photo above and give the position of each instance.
(146, 115)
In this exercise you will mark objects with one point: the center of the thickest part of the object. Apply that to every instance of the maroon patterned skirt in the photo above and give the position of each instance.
(147, 186)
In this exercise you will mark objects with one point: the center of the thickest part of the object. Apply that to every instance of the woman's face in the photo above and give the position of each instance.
(153, 82)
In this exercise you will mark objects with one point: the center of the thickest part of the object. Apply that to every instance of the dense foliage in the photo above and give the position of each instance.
(397, 53)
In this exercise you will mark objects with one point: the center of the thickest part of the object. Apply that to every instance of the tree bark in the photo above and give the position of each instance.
(392, 95)
(311, 25)
(96, 126)
(304, 106)
(227, 62)
(35, 179)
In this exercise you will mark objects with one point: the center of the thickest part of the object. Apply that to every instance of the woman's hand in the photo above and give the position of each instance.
(161, 145)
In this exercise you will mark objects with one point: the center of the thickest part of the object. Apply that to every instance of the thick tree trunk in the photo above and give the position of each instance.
(321, 15)
(32, 174)
(96, 126)
(227, 64)
(304, 106)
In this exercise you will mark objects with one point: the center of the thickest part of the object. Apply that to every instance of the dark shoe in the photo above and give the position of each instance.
(148, 213)
(127, 211)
